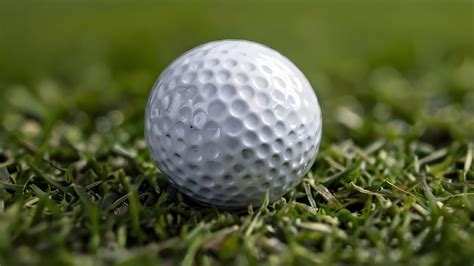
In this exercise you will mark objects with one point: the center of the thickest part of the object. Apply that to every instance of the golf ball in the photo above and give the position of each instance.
(231, 120)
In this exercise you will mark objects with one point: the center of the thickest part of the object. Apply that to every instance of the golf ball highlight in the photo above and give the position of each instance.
(230, 120)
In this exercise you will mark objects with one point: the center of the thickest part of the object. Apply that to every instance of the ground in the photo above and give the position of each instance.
(393, 182)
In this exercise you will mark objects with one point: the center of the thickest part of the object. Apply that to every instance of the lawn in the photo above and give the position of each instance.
(393, 182)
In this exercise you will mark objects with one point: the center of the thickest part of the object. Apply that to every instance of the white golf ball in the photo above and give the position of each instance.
(230, 120)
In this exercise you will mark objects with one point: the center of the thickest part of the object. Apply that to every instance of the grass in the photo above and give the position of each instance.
(393, 182)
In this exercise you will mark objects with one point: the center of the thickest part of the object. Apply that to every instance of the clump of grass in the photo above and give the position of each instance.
(389, 201)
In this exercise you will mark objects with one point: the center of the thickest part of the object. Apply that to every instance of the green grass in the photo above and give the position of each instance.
(393, 182)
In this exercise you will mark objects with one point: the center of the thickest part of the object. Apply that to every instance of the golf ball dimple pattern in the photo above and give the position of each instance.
(230, 120)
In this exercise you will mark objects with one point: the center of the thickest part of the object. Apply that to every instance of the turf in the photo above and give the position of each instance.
(393, 182)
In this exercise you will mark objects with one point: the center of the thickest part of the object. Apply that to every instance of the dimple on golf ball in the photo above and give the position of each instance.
(230, 120)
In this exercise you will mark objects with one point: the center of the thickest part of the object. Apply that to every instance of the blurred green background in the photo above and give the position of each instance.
(381, 69)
